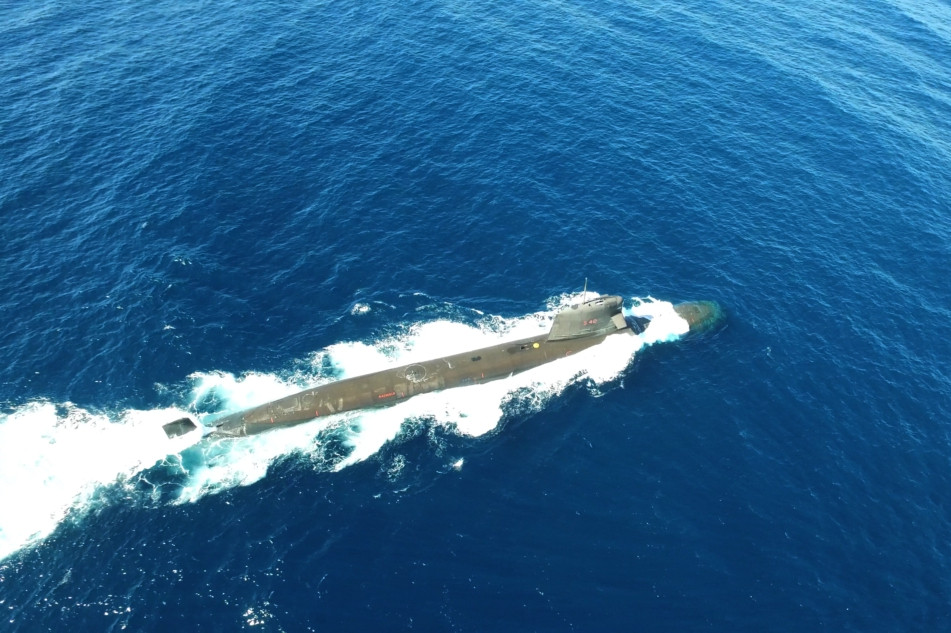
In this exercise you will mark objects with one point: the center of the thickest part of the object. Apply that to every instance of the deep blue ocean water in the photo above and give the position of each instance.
(207, 204)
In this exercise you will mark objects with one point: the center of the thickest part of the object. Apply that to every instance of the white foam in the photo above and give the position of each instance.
(237, 393)
(53, 460)
(476, 410)
(665, 326)
(221, 464)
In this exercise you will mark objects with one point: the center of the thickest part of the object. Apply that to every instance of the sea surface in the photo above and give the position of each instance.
(205, 205)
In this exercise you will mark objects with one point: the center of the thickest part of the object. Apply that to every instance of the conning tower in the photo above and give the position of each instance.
(598, 316)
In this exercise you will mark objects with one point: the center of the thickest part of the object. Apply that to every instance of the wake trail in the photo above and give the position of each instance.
(57, 460)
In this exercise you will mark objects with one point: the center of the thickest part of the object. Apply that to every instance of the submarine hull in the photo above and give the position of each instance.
(392, 386)
(574, 329)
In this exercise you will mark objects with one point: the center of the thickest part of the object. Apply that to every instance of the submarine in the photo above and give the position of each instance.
(575, 328)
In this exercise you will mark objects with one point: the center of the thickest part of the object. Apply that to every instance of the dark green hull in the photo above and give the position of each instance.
(575, 329)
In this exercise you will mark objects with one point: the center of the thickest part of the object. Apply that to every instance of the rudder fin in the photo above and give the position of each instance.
(179, 427)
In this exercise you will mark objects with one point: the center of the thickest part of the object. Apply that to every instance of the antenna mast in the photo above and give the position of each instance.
(584, 293)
